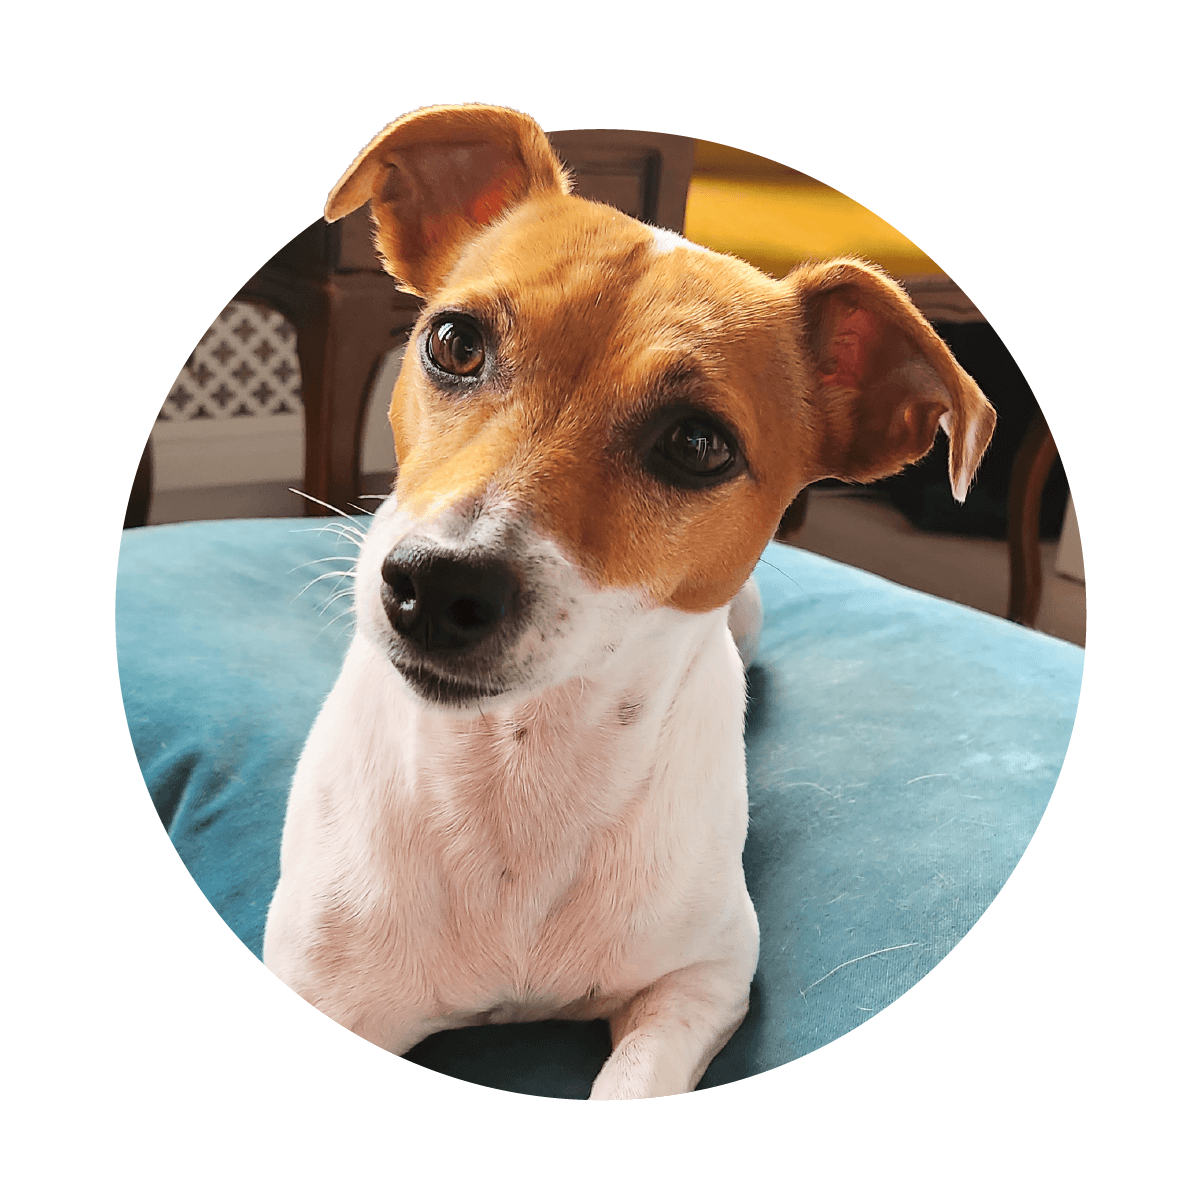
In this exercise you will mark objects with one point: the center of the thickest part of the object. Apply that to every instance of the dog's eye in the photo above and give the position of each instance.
(456, 347)
(697, 447)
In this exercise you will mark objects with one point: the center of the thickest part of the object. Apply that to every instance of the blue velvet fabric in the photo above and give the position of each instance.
(901, 750)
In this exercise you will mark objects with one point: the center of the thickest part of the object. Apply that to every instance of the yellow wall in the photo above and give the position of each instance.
(774, 217)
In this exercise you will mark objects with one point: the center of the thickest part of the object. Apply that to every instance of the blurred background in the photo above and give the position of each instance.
(289, 387)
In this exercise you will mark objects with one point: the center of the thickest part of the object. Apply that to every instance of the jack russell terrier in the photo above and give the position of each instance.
(526, 795)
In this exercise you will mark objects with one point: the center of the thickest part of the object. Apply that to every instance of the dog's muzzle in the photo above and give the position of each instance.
(441, 602)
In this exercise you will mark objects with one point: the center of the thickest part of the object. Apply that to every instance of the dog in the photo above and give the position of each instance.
(525, 796)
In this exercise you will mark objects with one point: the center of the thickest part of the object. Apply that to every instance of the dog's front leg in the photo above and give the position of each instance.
(665, 1037)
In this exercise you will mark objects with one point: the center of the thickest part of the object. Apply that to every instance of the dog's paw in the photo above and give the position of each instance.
(746, 620)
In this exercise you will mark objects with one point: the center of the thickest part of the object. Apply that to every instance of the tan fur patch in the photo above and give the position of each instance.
(831, 372)
(587, 322)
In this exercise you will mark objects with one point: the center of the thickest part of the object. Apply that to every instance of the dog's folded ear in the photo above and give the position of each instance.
(436, 176)
(885, 379)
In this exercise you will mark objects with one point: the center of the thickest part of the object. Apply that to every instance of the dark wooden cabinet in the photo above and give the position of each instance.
(644, 174)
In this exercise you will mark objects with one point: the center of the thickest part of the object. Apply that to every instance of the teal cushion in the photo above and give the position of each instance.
(900, 750)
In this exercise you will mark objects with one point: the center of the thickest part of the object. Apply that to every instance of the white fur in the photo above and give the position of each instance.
(570, 848)
(961, 482)
(664, 241)
(746, 621)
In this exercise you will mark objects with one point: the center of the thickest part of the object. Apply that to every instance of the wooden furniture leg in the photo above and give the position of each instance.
(1035, 456)
(341, 350)
(346, 324)
(137, 509)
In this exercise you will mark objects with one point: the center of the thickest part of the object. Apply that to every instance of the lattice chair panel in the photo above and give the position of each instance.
(246, 365)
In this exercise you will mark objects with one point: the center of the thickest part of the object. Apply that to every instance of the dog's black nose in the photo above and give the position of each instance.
(442, 601)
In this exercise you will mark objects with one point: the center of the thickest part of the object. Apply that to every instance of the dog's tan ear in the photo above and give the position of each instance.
(885, 379)
(436, 176)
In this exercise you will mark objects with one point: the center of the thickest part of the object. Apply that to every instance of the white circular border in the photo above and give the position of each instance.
(167, 157)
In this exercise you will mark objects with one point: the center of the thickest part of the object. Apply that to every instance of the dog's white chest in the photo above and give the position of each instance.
(556, 858)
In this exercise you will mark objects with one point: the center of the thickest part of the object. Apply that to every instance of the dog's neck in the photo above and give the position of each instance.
(585, 745)
(633, 684)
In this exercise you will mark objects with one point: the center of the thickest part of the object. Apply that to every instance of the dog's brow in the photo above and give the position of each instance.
(683, 379)
(503, 313)
(493, 311)
(681, 385)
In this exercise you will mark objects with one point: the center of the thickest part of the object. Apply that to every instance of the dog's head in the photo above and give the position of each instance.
(596, 419)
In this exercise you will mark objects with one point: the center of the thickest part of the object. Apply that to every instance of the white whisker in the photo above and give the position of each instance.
(357, 534)
(329, 575)
(353, 533)
(327, 559)
(336, 616)
(337, 596)
(323, 503)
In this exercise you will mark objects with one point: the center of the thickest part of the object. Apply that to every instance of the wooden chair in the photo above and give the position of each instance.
(1034, 460)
